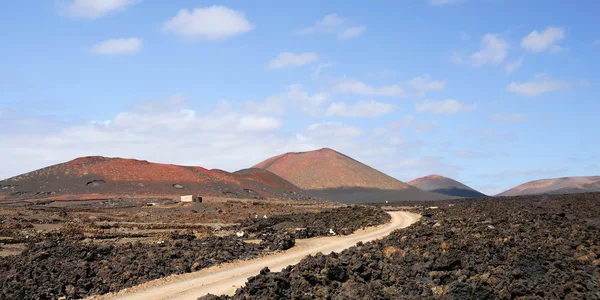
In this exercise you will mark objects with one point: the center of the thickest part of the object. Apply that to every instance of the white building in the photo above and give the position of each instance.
(187, 198)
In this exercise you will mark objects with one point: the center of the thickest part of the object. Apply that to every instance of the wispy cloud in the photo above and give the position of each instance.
(94, 9)
(334, 25)
(546, 40)
(352, 32)
(541, 85)
(424, 84)
(445, 107)
(294, 97)
(466, 153)
(214, 22)
(511, 66)
(360, 109)
(290, 60)
(509, 117)
(350, 86)
(117, 47)
(493, 51)
(491, 134)
(318, 69)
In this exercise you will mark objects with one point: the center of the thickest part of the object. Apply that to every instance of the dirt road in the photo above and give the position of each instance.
(226, 278)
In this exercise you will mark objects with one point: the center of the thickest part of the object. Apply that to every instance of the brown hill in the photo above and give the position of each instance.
(445, 186)
(335, 176)
(106, 177)
(564, 185)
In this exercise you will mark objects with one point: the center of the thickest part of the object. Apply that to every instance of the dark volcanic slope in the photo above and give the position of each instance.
(565, 185)
(93, 176)
(444, 185)
(332, 175)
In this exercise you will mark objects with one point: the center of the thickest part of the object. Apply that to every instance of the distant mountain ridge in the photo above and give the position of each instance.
(97, 175)
(446, 186)
(335, 176)
(564, 185)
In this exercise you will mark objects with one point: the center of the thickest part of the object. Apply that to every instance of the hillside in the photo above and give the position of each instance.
(97, 176)
(444, 185)
(564, 185)
(332, 175)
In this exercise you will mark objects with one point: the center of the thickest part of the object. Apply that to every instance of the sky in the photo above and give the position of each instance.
(492, 93)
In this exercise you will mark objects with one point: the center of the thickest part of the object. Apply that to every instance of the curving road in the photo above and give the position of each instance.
(226, 278)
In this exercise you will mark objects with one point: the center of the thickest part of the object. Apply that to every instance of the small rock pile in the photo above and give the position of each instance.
(277, 241)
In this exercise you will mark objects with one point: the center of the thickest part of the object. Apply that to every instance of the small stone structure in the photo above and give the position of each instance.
(191, 198)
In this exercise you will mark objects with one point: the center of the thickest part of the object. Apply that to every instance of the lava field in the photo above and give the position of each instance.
(63, 264)
(534, 247)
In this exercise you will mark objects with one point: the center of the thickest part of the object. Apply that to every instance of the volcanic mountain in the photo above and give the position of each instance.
(334, 176)
(564, 185)
(97, 176)
(444, 185)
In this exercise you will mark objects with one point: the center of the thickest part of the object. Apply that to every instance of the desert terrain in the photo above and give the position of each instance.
(305, 225)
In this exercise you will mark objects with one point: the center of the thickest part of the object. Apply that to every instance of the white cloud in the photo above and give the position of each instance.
(446, 107)
(215, 22)
(537, 42)
(424, 84)
(294, 97)
(491, 135)
(94, 9)
(289, 60)
(509, 117)
(511, 66)
(445, 2)
(493, 51)
(352, 32)
(542, 84)
(350, 86)
(117, 46)
(360, 109)
(334, 25)
(258, 123)
(407, 122)
(333, 129)
(170, 131)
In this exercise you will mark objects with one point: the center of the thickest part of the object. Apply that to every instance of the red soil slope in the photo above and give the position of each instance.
(444, 185)
(565, 185)
(326, 168)
(331, 175)
(118, 176)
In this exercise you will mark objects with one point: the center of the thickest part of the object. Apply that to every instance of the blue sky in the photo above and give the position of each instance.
(492, 93)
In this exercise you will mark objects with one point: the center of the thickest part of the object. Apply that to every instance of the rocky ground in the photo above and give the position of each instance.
(344, 221)
(536, 247)
(95, 257)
